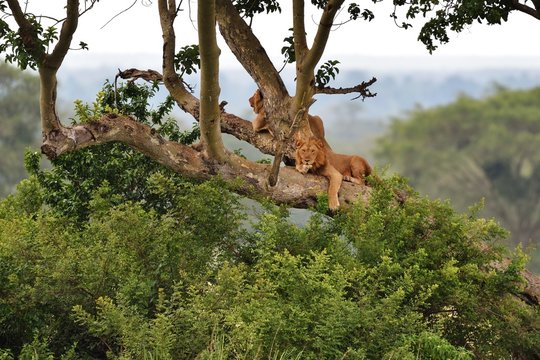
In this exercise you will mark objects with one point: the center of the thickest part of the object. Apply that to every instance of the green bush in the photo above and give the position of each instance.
(383, 280)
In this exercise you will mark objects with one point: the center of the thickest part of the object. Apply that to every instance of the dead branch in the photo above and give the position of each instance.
(135, 74)
(362, 90)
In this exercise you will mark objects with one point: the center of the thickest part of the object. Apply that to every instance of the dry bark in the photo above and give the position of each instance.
(293, 188)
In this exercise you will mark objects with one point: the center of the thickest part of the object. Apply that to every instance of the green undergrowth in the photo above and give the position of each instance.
(187, 280)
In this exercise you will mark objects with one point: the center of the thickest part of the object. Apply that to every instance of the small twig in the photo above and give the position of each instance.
(120, 13)
(298, 115)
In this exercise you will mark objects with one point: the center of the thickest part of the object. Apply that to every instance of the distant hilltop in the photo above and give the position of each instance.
(435, 62)
(402, 84)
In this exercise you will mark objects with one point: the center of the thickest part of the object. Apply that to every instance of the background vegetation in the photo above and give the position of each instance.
(19, 114)
(476, 149)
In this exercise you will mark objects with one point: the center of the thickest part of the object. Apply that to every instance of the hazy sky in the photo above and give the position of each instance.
(137, 31)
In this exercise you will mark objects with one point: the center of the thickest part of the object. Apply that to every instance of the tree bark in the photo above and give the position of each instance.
(210, 90)
(293, 188)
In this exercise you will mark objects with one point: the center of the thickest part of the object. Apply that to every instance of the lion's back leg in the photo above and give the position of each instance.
(359, 170)
(353, 180)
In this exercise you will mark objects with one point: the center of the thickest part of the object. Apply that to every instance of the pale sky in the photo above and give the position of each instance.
(137, 31)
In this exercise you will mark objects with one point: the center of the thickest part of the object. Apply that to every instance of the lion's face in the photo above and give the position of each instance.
(255, 101)
(310, 154)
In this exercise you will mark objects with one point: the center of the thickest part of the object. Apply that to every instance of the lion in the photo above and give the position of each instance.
(312, 155)
(260, 124)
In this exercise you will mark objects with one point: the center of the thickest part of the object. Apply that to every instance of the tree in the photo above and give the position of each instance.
(28, 46)
(28, 40)
(19, 111)
(170, 272)
(474, 149)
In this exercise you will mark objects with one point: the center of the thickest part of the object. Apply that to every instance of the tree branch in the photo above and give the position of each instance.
(135, 74)
(173, 83)
(54, 60)
(299, 29)
(293, 189)
(362, 89)
(306, 62)
(534, 12)
(323, 32)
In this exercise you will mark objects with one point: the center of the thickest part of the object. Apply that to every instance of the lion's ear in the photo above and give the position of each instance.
(319, 143)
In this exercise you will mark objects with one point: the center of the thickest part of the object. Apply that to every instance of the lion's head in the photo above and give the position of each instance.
(255, 101)
(310, 153)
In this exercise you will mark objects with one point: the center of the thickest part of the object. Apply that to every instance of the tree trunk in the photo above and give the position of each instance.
(209, 113)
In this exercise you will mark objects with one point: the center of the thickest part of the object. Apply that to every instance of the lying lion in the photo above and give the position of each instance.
(313, 155)
(260, 124)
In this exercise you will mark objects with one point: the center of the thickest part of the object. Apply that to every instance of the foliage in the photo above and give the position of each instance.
(475, 149)
(19, 111)
(288, 49)
(381, 281)
(248, 8)
(127, 173)
(327, 71)
(454, 15)
(12, 45)
(187, 60)
(123, 252)
(355, 12)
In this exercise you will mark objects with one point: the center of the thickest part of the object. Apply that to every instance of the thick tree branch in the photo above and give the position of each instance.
(247, 48)
(534, 12)
(50, 65)
(305, 63)
(209, 53)
(293, 189)
(135, 74)
(362, 89)
(323, 32)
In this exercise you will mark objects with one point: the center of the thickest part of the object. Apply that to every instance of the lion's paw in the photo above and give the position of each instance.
(303, 168)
